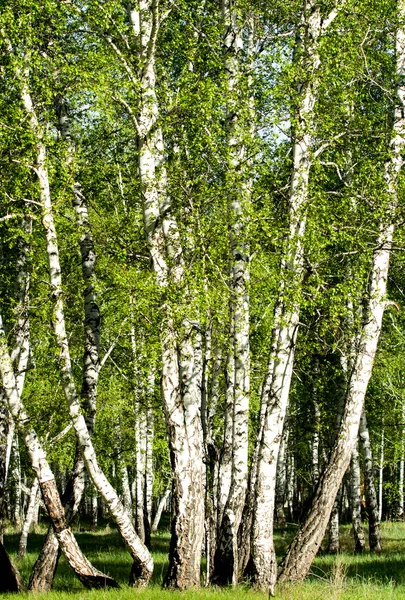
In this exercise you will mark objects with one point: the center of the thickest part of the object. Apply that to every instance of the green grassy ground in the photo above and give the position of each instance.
(346, 576)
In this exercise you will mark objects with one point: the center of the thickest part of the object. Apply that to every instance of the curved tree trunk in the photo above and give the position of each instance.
(297, 561)
(46, 564)
(88, 575)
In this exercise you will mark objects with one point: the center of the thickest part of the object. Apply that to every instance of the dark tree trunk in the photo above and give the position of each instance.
(10, 580)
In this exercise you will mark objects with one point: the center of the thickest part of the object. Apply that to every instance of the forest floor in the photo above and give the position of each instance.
(343, 577)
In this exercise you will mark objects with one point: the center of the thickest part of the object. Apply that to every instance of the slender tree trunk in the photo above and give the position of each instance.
(374, 535)
(159, 510)
(287, 312)
(334, 538)
(16, 476)
(4, 426)
(209, 404)
(281, 481)
(381, 476)
(358, 532)
(297, 561)
(148, 474)
(88, 575)
(181, 366)
(143, 562)
(126, 490)
(33, 500)
(226, 561)
(245, 530)
(46, 564)
(317, 424)
(181, 357)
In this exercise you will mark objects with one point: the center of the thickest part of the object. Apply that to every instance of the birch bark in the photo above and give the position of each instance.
(232, 488)
(298, 559)
(181, 354)
(33, 499)
(309, 35)
(374, 535)
(143, 562)
(46, 564)
(159, 510)
(381, 475)
(358, 532)
(88, 575)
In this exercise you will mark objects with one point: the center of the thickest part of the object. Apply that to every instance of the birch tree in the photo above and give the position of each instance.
(296, 563)
(233, 475)
(181, 352)
(310, 32)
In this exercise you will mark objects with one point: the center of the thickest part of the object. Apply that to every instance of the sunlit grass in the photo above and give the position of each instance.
(344, 577)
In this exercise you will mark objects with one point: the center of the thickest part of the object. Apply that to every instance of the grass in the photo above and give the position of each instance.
(343, 577)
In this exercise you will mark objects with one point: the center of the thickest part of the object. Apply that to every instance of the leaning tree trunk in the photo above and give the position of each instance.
(143, 563)
(88, 575)
(374, 534)
(263, 558)
(45, 567)
(297, 561)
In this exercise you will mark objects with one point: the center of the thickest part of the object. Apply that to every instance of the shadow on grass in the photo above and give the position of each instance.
(105, 550)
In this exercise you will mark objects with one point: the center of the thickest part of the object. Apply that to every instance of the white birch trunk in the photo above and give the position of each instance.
(381, 476)
(358, 532)
(317, 424)
(46, 564)
(159, 510)
(88, 575)
(148, 475)
(16, 476)
(33, 502)
(281, 481)
(143, 562)
(226, 561)
(298, 559)
(374, 534)
(287, 312)
(225, 460)
(181, 377)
